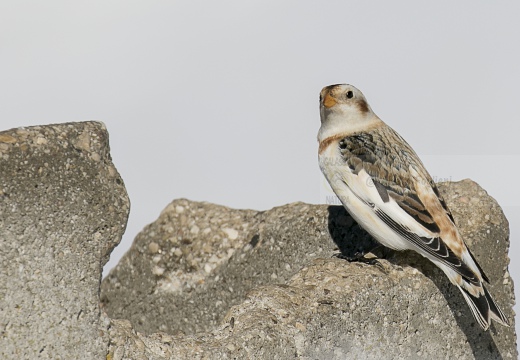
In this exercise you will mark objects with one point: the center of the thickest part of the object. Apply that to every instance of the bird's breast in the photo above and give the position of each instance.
(333, 166)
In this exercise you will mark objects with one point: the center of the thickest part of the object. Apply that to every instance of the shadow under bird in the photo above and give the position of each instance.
(383, 184)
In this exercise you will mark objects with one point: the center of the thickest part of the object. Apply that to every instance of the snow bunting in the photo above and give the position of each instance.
(384, 186)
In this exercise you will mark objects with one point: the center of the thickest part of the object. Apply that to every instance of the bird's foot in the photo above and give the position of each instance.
(359, 255)
(350, 258)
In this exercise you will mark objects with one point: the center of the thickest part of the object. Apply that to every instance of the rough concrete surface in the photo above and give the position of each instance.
(289, 298)
(63, 208)
(208, 282)
(203, 258)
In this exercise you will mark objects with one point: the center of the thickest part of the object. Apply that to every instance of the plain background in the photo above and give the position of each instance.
(218, 100)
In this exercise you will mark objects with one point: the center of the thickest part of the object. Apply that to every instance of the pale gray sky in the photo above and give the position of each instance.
(218, 100)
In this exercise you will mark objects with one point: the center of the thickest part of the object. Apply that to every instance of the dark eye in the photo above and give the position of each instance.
(350, 94)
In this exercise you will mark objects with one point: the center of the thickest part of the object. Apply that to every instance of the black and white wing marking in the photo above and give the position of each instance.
(387, 160)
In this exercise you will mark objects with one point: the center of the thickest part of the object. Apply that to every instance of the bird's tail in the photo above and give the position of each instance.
(484, 308)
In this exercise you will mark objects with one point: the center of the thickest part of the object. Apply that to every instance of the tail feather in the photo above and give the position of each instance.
(484, 308)
(496, 312)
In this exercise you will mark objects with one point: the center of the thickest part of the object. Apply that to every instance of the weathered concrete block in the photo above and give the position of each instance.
(63, 208)
(289, 298)
(208, 282)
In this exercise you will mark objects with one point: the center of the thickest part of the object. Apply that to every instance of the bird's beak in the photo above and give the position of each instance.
(328, 100)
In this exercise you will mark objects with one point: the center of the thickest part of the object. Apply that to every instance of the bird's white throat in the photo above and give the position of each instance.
(346, 123)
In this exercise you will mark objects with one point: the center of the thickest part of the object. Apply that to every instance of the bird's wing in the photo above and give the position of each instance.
(387, 171)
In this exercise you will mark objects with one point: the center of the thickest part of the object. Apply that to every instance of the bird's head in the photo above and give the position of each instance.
(343, 109)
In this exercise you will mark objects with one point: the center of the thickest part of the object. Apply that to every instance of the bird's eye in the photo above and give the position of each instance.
(350, 94)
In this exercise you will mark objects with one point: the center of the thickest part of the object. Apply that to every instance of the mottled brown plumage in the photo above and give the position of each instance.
(377, 152)
(386, 156)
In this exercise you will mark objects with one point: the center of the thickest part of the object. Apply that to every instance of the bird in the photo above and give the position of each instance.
(386, 189)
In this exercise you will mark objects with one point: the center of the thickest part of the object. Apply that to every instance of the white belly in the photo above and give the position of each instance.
(341, 179)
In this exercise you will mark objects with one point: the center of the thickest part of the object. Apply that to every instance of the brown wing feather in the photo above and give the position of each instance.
(387, 158)
(378, 153)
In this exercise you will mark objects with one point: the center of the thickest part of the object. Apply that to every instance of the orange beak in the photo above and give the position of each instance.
(329, 101)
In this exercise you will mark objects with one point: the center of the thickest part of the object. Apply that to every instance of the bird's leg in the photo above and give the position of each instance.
(358, 255)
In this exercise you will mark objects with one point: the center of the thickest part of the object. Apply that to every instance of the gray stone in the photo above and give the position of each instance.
(207, 270)
(209, 282)
(63, 208)
(290, 299)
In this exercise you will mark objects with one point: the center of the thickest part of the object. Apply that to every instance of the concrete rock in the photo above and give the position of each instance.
(207, 270)
(63, 208)
(289, 298)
